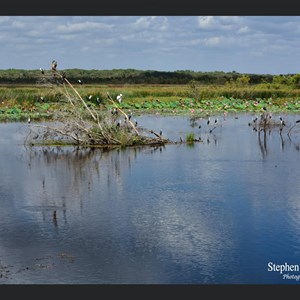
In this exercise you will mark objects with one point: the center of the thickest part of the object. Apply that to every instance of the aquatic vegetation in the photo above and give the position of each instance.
(190, 137)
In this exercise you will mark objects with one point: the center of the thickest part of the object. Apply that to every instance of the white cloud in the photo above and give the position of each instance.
(156, 23)
(207, 22)
(243, 29)
(17, 24)
(214, 41)
(77, 27)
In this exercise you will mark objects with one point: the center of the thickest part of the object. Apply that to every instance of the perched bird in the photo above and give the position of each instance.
(90, 97)
(79, 81)
(114, 111)
(119, 98)
(28, 120)
(54, 65)
(208, 121)
(160, 132)
(42, 71)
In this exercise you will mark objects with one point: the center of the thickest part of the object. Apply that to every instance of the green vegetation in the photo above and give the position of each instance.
(197, 93)
(131, 76)
(190, 137)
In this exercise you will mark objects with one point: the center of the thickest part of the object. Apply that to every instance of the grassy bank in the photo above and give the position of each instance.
(18, 102)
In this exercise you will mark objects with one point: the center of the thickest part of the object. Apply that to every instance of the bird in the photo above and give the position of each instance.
(54, 65)
(160, 132)
(282, 121)
(114, 111)
(298, 121)
(119, 98)
(28, 120)
(42, 71)
(90, 97)
(208, 121)
(79, 81)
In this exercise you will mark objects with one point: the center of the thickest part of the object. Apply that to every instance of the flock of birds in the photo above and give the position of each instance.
(259, 123)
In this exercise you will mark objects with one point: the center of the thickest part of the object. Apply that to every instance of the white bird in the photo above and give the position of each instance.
(79, 81)
(28, 120)
(119, 98)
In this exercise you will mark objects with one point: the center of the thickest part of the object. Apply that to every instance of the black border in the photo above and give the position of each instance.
(149, 7)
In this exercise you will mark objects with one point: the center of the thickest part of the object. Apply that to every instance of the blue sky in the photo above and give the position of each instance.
(246, 44)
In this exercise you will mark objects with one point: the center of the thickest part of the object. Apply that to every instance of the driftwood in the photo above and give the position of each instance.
(81, 123)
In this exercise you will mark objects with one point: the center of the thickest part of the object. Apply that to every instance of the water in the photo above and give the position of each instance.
(221, 211)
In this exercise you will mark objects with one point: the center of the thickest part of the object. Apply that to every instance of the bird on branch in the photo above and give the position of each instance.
(54, 65)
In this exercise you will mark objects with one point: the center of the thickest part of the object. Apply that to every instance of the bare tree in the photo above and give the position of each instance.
(82, 123)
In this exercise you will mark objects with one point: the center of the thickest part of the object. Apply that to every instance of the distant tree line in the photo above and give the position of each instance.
(132, 76)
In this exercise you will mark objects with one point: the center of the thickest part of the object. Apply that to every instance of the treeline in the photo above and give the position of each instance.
(132, 76)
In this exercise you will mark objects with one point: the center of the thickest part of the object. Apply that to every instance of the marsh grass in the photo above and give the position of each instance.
(201, 99)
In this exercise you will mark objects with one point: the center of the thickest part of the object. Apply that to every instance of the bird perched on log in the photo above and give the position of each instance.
(54, 65)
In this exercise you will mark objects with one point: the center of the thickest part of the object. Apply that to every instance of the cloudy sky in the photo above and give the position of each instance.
(246, 44)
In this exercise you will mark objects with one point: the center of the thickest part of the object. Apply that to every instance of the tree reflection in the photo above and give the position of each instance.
(65, 178)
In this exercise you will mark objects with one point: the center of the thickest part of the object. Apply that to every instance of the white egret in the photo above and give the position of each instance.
(119, 98)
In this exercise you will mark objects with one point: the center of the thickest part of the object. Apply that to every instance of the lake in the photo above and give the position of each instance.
(224, 210)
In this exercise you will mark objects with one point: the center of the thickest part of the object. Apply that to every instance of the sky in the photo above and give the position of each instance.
(245, 44)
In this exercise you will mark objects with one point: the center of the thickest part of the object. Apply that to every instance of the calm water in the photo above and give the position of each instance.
(217, 212)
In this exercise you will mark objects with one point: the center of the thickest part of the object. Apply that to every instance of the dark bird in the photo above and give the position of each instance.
(216, 120)
(54, 65)
(42, 71)
(130, 115)
(298, 121)
(160, 132)
(114, 111)
(208, 121)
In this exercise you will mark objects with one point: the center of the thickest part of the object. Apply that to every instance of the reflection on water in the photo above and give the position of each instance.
(216, 211)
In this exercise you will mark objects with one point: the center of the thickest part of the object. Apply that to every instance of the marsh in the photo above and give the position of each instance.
(216, 211)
